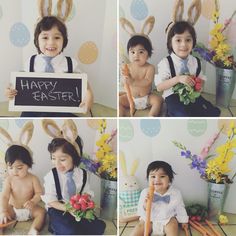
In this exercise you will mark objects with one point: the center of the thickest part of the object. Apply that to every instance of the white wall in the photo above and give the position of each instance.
(149, 140)
(162, 11)
(93, 21)
(39, 142)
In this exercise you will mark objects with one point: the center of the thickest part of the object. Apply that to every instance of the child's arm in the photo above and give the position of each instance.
(38, 191)
(4, 201)
(88, 100)
(164, 80)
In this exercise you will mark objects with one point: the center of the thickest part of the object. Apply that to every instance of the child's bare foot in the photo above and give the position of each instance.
(33, 232)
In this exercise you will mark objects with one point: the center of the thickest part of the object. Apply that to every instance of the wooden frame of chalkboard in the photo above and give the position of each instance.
(48, 92)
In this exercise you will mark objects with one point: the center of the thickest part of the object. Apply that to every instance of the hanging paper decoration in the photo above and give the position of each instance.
(139, 9)
(149, 127)
(126, 130)
(197, 127)
(88, 53)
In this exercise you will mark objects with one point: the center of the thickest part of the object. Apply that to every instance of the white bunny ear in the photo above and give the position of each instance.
(178, 11)
(26, 133)
(149, 23)
(134, 167)
(70, 132)
(51, 128)
(5, 136)
(194, 11)
(127, 26)
(64, 10)
(123, 163)
(45, 7)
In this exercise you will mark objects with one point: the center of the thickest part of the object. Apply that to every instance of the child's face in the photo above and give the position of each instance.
(160, 180)
(182, 44)
(138, 55)
(62, 161)
(18, 169)
(50, 42)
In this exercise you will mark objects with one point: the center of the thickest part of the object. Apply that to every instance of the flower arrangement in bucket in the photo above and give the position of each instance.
(214, 168)
(104, 161)
(219, 52)
(104, 165)
(81, 206)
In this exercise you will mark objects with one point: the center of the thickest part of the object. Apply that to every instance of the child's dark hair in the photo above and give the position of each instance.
(142, 40)
(179, 28)
(17, 152)
(47, 23)
(67, 147)
(156, 165)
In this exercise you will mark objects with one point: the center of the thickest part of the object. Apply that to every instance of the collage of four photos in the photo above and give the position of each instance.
(117, 117)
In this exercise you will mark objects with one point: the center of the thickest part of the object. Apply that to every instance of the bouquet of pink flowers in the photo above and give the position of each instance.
(81, 206)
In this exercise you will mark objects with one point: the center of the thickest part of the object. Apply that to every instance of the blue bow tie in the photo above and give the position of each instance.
(157, 198)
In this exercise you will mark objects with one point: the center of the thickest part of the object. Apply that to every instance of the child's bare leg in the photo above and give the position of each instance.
(123, 105)
(38, 214)
(139, 229)
(156, 103)
(171, 229)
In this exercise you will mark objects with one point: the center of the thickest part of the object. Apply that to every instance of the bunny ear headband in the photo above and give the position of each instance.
(24, 137)
(64, 8)
(68, 131)
(194, 12)
(147, 26)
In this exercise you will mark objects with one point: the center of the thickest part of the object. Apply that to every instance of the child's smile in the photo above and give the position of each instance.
(160, 180)
(182, 44)
(51, 42)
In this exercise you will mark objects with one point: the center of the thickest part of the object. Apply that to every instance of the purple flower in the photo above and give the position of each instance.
(199, 164)
(90, 164)
(186, 154)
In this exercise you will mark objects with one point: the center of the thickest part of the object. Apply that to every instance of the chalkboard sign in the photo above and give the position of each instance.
(49, 92)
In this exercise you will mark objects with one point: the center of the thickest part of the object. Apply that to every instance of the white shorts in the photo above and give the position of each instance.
(141, 103)
(22, 214)
(158, 229)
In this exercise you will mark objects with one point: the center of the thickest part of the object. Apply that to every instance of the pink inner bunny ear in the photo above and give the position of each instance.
(70, 131)
(26, 133)
(51, 128)
(5, 136)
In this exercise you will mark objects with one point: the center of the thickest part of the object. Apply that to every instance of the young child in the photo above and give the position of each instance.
(140, 77)
(21, 190)
(179, 67)
(66, 159)
(50, 39)
(167, 209)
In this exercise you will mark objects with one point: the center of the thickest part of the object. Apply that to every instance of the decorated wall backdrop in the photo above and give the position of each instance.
(92, 41)
(87, 129)
(151, 139)
(137, 11)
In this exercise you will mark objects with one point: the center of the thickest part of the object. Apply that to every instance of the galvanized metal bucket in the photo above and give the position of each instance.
(108, 199)
(225, 83)
(217, 194)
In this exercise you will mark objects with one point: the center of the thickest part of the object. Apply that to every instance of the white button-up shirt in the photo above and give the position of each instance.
(162, 212)
(164, 70)
(59, 64)
(50, 194)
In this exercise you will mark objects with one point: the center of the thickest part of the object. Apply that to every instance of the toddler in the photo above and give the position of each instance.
(140, 77)
(21, 190)
(167, 209)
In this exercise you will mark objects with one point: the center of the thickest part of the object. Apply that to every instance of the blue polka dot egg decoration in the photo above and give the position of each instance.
(21, 122)
(138, 9)
(149, 127)
(19, 35)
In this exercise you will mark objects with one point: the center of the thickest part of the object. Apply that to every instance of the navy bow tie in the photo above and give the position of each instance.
(157, 198)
